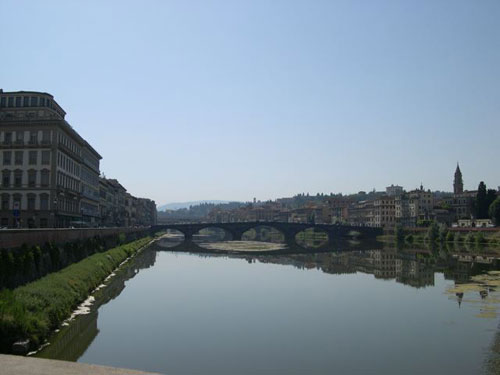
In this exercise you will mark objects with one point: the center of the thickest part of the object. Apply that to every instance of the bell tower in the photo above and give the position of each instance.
(458, 183)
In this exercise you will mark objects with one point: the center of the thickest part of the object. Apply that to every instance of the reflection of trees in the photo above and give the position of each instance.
(73, 340)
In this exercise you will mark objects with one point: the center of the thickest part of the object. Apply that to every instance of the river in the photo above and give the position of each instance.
(377, 311)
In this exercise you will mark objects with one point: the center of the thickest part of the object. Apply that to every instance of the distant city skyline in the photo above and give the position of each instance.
(229, 101)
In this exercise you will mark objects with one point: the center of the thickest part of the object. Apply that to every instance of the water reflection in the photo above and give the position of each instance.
(250, 313)
(73, 340)
(410, 266)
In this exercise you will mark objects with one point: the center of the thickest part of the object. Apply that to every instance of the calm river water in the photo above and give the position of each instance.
(356, 312)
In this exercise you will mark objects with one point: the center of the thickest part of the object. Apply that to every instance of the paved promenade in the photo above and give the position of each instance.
(18, 365)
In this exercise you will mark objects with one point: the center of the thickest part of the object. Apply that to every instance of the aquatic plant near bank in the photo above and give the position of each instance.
(34, 310)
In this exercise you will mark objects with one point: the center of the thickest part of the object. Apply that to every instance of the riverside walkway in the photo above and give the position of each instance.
(18, 365)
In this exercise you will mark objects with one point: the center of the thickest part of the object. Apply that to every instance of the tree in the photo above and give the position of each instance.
(494, 211)
(481, 202)
(491, 195)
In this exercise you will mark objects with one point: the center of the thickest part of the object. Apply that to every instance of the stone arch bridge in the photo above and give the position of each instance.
(289, 230)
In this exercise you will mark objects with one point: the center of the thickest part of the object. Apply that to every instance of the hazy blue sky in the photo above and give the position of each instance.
(206, 99)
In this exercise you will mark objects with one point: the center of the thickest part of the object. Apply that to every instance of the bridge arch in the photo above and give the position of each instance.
(312, 237)
(213, 233)
(264, 232)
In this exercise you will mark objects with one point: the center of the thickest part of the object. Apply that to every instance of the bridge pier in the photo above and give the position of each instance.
(237, 235)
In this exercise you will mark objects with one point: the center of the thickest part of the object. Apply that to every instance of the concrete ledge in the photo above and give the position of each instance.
(17, 365)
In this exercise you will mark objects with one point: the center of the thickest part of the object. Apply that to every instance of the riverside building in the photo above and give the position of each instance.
(49, 173)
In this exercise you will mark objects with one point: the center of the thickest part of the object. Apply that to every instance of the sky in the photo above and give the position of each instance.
(231, 100)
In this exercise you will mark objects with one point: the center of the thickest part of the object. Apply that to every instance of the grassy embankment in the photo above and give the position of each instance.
(32, 311)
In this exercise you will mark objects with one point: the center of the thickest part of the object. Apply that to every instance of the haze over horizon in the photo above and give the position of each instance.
(224, 100)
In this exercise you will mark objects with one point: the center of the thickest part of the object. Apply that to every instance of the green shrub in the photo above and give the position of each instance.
(28, 261)
(409, 238)
(37, 254)
(458, 237)
(450, 237)
(122, 238)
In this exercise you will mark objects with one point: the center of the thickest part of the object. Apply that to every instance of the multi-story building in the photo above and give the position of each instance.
(89, 174)
(402, 211)
(146, 212)
(42, 158)
(118, 208)
(339, 209)
(394, 190)
(421, 204)
(384, 212)
(361, 213)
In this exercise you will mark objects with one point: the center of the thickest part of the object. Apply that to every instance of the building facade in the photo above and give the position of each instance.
(42, 161)
(384, 212)
(50, 174)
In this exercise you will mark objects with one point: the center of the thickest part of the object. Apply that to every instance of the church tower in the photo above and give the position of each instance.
(458, 183)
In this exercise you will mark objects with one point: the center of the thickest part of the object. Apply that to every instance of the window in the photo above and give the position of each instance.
(18, 178)
(31, 201)
(5, 201)
(3, 102)
(46, 137)
(18, 101)
(44, 222)
(17, 201)
(34, 101)
(7, 138)
(7, 157)
(20, 137)
(33, 157)
(33, 137)
(45, 157)
(10, 101)
(6, 178)
(45, 177)
(31, 178)
(5, 222)
(26, 101)
(44, 201)
(19, 158)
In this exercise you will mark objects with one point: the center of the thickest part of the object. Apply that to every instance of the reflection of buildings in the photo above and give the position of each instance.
(384, 263)
(412, 272)
(414, 268)
(73, 340)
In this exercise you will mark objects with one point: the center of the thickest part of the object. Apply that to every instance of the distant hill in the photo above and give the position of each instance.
(179, 205)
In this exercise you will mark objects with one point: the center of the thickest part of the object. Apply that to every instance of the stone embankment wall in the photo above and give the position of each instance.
(15, 238)
(27, 255)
